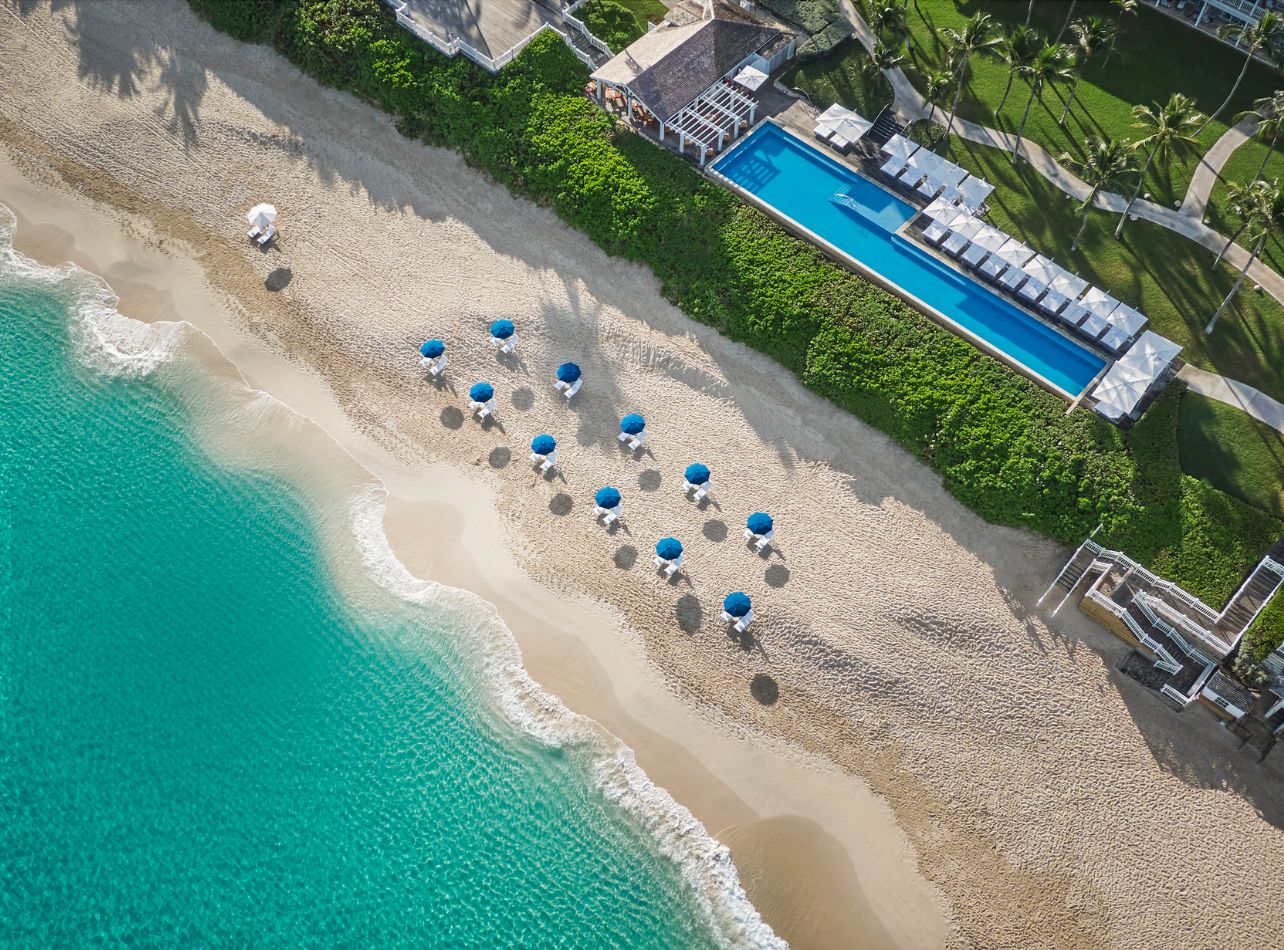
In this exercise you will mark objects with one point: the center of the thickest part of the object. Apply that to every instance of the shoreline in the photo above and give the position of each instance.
(604, 679)
(1011, 775)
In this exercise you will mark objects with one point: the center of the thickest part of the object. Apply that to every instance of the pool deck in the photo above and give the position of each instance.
(797, 118)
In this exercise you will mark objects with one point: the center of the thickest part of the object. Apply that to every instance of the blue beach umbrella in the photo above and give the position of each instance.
(607, 497)
(697, 474)
(543, 444)
(432, 349)
(632, 424)
(568, 372)
(502, 329)
(481, 392)
(759, 522)
(669, 548)
(736, 604)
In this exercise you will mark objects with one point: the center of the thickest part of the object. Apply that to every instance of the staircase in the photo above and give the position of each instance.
(1259, 587)
(884, 127)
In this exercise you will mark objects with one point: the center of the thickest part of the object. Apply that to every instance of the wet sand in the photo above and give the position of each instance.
(907, 753)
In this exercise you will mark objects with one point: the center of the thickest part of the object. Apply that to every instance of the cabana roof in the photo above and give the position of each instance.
(669, 67)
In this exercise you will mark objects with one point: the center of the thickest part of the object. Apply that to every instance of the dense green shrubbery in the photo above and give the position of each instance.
(614, 25)
(1003, 446)
(842, 75)
(824, 41)
(810, 16)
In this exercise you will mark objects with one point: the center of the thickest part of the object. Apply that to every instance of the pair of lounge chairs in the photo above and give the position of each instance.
(434, 367)
(544, 462)
(700, 491)
(668, 567)
(608, 516)
(261, 237)
(482, 409)
(634, 442)
(504, 346)
(741, 623)
(568, 389)
(760, 541)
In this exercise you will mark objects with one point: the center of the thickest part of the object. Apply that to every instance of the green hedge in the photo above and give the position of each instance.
(614, 25)
(1002, 445)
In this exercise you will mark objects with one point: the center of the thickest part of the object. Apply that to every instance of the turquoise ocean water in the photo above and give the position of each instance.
(206, 741)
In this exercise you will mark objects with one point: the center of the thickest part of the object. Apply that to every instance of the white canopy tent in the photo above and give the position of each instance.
(987, 241)
(899, 147)
(751, 77)
(1040, 269)
(1151, 351)
(1068, 284)
(260, 216)
(1099, 303)
(1121, 389)
(1126, 319)
(973, 192)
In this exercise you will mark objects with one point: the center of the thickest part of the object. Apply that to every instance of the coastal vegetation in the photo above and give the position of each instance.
(613, 23)
(1003, 446)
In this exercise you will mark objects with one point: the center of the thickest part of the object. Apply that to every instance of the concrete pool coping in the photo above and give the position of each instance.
(927, 309)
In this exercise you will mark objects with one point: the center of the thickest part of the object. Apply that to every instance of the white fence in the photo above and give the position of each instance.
(579, 25)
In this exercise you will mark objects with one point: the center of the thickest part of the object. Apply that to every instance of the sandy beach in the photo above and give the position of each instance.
(907, 754)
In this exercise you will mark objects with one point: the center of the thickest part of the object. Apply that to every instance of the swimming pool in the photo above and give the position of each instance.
(800, 183)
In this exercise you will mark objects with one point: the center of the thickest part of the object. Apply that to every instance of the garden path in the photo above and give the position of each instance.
(1208, 171)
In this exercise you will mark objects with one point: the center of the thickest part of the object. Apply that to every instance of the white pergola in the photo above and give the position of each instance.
(715, 117)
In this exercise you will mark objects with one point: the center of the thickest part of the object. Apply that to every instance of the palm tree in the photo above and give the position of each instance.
(1125, 8)
(1102, 164)
(1049, 64)
(1267, 219)
(1243, 201)
(888, 20)
(938, 84)
(1017, 49)
(1171, 131)
(1269, 114)
(882, 59)
(1069, 14)
(1260, 37)
(977, 36)
(1092, 35)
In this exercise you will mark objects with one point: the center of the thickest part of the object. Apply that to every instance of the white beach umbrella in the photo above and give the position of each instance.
(974, 191)
(852, 127)
(990, 238)
(1099, 302)
(1123, 387)
(261, 216)
(1014, 253)
(751, 77)
(898, 146)
(1127, 319)
(1151, 352)
(1068, 284)
(1041, 269)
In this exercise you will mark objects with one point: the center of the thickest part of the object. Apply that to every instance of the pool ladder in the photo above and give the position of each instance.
(844, 197)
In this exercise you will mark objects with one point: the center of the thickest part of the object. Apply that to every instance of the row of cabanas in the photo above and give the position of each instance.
(697, 479)
(922, 171)
(841, 128)
(1126, 383)
(1035, 280)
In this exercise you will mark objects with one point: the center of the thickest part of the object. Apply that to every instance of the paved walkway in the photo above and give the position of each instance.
(1257, 404)
(1209, 169)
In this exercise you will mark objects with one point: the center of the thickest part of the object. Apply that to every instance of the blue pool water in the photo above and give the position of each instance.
(799, 182)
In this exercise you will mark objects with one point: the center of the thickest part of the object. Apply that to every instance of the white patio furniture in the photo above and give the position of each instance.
(760, 541)
(1093, 326)
(668, 567)
(742, 623)
(985, 243)
(961, 235)
(607, 516)
(1074, 314)
(1052, 302)
(700, 490)
(267, 235)
(973, 192)
(545, 462)
(634, 442)
(944, 178)
(434, 367)
(482, 409)
(504, 346)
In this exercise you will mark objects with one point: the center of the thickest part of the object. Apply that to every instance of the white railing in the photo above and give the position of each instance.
(1176, 695)
(580, 25)
(1165, 660)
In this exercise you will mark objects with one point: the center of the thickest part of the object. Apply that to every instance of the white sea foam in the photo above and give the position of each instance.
(705, 864)
(111, 343)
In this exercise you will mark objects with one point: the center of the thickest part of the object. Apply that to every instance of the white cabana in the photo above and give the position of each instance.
(751, 77)
(1151, 352)
(1068, 284)
(1099, 303)
(830, 119)
(899, 148)
(1121, 389)
(260, 216)
(986, 242)
(1127, 320)
(973, 192)
(1015, 254)
(1093, 324)
(945, 177)
(962, 232)
(1040, 269)
(921, 164)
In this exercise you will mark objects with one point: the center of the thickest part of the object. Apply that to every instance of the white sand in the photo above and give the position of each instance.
(1045, 801)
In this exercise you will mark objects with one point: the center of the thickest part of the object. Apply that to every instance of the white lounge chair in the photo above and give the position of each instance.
(1032, 290)
(267, 235)
(1012, 278)
(1115, 339)
(545, 462)
(1051, 302)
(504, 346)
(634, 442)
(894, 166)
(669, 567)
(482, 409)
(607, 516)
(760, 541)
(935, 233)
(571, 390)
(741, 623)
(254, 232)
(434, 367)
(700, 490)
(1074, 314)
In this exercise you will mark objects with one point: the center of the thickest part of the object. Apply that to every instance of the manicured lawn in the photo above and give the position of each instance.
(1241, 167)
(1164, 275)
(1156, 56)
(645, 10)
(1232, 451)
(839, 76)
